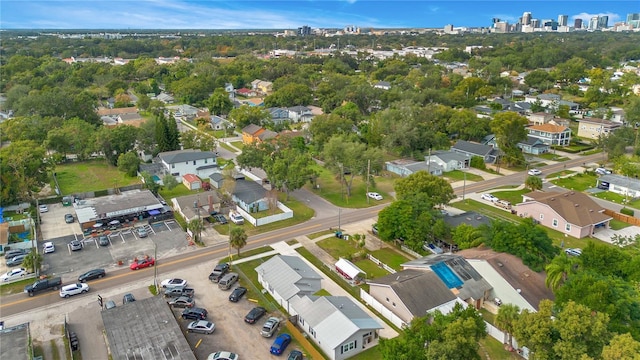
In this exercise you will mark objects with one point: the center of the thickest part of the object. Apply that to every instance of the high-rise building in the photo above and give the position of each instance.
(593, 23)
(603, 22)
(633, 20)
(563, 20)
(304, 31)
(535, 23)
(577, 23)
(526, 18)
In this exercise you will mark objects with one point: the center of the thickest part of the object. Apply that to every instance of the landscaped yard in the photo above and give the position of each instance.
(617, 224)
(578, 182)
(458, 175)
(338, 248)
(238, 144)
(618, 199)
(90, 176)
(514, 196)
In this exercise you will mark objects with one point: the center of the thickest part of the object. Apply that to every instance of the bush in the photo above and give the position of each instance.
(627, 211)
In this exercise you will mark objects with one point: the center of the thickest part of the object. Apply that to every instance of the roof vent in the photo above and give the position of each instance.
(552, 199)
(576, 205)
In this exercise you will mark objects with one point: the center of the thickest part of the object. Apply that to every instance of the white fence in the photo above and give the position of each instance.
(285, 214)
(380, 263)
(410, 252)
(377, 306)
(28, 276)
(499, 335)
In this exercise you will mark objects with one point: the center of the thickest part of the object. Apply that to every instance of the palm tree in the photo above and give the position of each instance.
(33, 261)
(238, 238)
(196, 226)
(559, 269)
(533, 183)
(506, 319)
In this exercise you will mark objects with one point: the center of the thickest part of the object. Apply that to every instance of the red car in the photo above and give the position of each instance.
(143, 263)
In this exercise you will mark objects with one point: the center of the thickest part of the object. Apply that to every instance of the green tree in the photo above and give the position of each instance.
(33, 261)
(506, 319)
(509, 128)
(24, 169)
(238, 238)
(128, 163)
(533, 183)
(535, 330)
(114, 141)
(198, 139)
(323, 127)
(245, 115)
(559, 269)
(438, 189)
(580, 332)
(196, 226)
(621, 347)
(149, 182)
(467, 236)
(219, 102)
(170, 181)
(289, 95)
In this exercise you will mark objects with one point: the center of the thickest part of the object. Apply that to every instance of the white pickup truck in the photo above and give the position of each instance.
(236, 218)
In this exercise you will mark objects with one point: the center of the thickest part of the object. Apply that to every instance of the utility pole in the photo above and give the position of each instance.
(368, 175)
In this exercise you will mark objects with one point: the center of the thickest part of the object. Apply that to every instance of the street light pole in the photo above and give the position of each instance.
(464, 183)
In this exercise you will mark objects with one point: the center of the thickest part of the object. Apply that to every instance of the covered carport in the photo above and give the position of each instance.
(349, 270)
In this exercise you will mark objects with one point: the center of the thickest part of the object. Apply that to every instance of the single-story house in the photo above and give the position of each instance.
(185, 112)
(196, 205)
(551, 134)
(191, 181)
(250, 196)
(592, 128)
(412, 293)
(539, 118)
(336, 324)
(448, 160)
(216, 180)
(622, 185)
(189, 161)
(267, 135)
(405, 167)
(250, 133)
(114, 112)
(471, 149)
(218, 123)
(571, 212)
(457, 275)
(165, 98)
(133, 119)
(246, 92)
(285, 276)
(533, 146)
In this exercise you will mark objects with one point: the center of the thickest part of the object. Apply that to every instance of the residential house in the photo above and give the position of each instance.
(251, 132)
(279, 115)
(471, 149)
(267, 135)
(228, 87)
(622, 185)
(383, 85)
(105, 111)
(550, 134)
(184, 112)
(520, 107)
(457, 275)
(133, 119)
(284, 276)
(189, 161)
(196, 205)
(264, 87)
(300, 114)
(246, 92)
(218, 123)
(533, 146)
(250, 196)
(540, 118)
(551, 101)
(448, 160)
(252, 102)
(216, 180)
(191, 181)
(572, 213)
(592, 128)
(411, 293)
(336, 324)
(165, 98)
(404, 167)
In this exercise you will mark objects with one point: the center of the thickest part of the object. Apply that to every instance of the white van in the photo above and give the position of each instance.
(236, 218)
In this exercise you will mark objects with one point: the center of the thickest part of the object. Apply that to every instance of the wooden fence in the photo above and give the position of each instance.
(622, 217)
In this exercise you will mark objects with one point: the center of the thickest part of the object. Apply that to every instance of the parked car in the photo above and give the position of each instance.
(295, 355)
(254, 315)
(142, 263)
(602, 171)
(182, 302)
(374, 195)
(43, 284)
(103, 241)
(92, 274)
(170, 283)
(236, 218)
(488, 197)
(128, 298)
(16, 260)
(374, 229)
(573, 252)
(43, 208)
(218, 272)
(503, 204)
(13, 253)
(194, 313)
(68, 218)
(48, 247)
(75, 245)
(534, 172)
(270, 327)
(201, 326)
(237, 294)
(227, 281)
(73, 289)
(220, 218)
(280, 344)
(142, 232)
(110, 304)
(14, 274)
(223, 355)
(179, 291)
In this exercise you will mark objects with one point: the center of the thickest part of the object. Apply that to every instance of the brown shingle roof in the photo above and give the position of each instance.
(575, 207)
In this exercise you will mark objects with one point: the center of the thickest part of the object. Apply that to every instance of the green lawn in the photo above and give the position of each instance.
(89, 176)
(177, 191)
(560, 173)
(338, 247)
(492, 349)
(553, 157)
(372, 271)
(578, 182)
(618, 199)
(458, 175)
(320, 233)
(238, 144)
(224, 145)
(390, 257)
(514, 196)
(617, 224)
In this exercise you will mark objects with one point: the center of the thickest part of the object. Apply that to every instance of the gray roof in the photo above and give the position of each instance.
(533, 141)
(249, 191)
(447, 156)
(334, 318)
(124, 203)
(419, 290)
(216, 177)
(473, 148)
(418, 166)
(129, 116)
(287, 275)
(14, 342)
(177, 156)
(629, 183)
(474, 285)
(299, 109)
(251, 129)
(145, 329)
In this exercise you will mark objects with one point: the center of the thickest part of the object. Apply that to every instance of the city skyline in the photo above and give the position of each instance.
(214, 14)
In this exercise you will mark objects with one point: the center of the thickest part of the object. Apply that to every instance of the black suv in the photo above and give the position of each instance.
(194, 313)
(254, 315)
(218, 272)
(237, 294)
(220, 218)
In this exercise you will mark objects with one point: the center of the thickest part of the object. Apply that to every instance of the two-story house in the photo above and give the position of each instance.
(189, 161)
(592, 128)
(554, 135)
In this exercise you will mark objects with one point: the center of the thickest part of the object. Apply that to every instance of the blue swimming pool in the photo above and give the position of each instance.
(450, 279)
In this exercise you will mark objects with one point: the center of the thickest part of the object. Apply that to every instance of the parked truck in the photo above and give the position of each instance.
(179, 291)
(43, 284)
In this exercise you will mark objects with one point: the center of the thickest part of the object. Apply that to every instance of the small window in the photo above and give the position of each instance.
(567, 227)
(387, 299)
(194, 162)
(541, 216)
(555, 223)
(394, 304)
(173, 166)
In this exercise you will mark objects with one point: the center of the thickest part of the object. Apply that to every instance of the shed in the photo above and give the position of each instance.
(347, 269)
(191, 181)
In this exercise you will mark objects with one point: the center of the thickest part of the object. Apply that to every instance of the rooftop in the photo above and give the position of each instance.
(14, 342)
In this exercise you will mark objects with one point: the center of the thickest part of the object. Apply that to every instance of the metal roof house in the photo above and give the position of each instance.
(336, 324)
(471, 149)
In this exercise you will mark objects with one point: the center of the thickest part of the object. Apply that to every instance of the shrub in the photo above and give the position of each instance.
(627, 211)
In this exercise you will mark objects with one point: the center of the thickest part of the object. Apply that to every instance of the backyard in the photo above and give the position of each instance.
(91, 175)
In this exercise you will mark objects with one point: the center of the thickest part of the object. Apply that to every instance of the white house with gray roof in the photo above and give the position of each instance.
(338, 326)
(189, 161)
(286, 276)
(448, 160)
(404, 167)
(471, 149)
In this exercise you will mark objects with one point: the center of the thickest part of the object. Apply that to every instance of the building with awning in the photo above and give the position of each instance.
(126, 206)
(349, 270)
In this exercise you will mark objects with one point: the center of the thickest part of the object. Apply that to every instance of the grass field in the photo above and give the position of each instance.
(90, 176)
(514, 196)
(458, 175)
(578, 182)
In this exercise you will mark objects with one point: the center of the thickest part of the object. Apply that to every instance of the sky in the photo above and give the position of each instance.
(291, 14)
